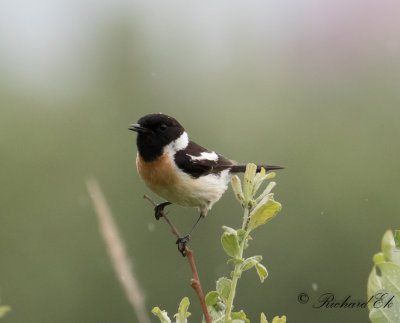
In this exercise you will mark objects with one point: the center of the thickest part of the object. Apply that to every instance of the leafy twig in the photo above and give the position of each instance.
(255, 214)
(257, 211)
(384, 281)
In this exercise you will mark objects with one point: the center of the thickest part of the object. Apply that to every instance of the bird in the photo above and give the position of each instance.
(179, 170)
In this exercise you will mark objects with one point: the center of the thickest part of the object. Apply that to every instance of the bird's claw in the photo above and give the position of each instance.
(181, 242)
(160, 208)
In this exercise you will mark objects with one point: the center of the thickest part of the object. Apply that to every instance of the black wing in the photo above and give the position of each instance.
(198, 161)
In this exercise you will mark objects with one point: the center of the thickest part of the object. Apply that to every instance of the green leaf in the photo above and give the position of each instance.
(237, 189)
(261, 271)
(397, 238)
(384, 282)
(239, 316)
(263, 318)
(388, 244)
(230, 243)
(263, 212)
(374, 285)
(183, 314)
(378, 258)
(258, 180)
(278, 319)
(249, 181)
(396, 256)
(250, 262)
(266, 191)
(212, 298)
(224, 288)
(162, 315)
(4, 309)
(229, 230)
(217, 313)
(390, 276)
(260, 174)
(396, 249)
(386, 310)
(271, 175)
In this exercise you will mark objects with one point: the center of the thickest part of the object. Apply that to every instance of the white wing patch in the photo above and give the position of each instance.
(205, 156)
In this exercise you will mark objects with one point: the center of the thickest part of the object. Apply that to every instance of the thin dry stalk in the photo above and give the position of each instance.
(116, 251)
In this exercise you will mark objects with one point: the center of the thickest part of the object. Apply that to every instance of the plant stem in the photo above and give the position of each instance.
(237, 271)
(195, 282)
(245, 217)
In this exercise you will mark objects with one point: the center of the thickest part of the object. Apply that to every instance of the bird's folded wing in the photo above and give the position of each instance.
(198, 161)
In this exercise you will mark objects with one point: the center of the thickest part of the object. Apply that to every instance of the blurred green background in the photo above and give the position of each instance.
(313, 86)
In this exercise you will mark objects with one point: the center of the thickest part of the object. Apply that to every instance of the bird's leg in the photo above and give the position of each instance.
(159, 208)
(181, 242)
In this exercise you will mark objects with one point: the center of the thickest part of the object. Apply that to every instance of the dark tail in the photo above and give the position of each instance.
(242, 168)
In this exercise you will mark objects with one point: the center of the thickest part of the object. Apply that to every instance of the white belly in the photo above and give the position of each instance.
(172, 184)
(200, 192)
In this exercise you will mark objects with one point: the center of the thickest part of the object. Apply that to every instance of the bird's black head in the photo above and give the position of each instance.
(155, 131)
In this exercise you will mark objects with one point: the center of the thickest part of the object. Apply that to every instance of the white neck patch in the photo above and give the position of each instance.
(178, 144)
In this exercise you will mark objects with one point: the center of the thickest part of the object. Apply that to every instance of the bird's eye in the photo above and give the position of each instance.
(163, 127)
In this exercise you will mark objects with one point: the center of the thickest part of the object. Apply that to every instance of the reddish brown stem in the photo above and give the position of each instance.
(195, 282)
(173, 229)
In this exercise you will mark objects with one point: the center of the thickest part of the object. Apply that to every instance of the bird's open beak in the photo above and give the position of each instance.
(138, 128)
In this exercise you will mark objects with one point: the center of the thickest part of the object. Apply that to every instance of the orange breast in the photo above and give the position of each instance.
(158, 173)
